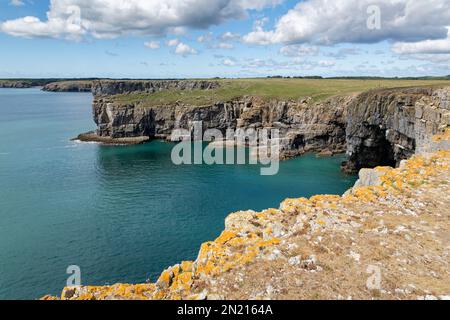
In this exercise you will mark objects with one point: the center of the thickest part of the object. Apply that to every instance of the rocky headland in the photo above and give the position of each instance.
(386, 238)
(68, 86)
(14, 84)
(377, 127)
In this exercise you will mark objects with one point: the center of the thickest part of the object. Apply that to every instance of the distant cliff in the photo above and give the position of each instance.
(115, 87)
(15, 84)
(378, 127)
(69, 86)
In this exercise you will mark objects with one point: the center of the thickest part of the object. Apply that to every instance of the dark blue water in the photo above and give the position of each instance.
(122, 214)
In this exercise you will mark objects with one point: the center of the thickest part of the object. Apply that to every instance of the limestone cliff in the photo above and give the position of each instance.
(387, 126)
(15, 84)
(69, 86)
(387, 238)
(304, 126)
(114, 87)
(379, 127)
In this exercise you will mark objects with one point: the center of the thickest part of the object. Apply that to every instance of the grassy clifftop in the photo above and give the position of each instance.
(286, 89)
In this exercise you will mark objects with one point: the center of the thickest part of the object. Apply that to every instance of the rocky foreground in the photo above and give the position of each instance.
(387, 238)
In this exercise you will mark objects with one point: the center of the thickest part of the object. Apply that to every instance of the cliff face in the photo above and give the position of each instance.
(303, 126)
(385, 238)
(113, 87)
(387, 126)
(380, 127)
(15, 84)
(69, 86)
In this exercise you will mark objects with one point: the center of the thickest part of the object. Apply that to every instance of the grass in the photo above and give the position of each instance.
(287, 89)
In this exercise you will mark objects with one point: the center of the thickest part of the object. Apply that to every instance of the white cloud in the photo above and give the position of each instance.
(184, 50)
(299, 50)
(108, 19)
(326, 63)
(152, 44)
(345, 21)
(230, 36)
(229, 62)
(173, 42)
(205, 38)
(434, 58)
(16, 3)
(441, 46)
(223, 45)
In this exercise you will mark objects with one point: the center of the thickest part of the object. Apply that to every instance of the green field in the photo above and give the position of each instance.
(287, 89)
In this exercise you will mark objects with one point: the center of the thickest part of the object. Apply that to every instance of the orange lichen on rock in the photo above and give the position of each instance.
(250, 237)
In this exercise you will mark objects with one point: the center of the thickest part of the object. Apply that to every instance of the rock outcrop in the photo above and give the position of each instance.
(15, 84)
(387, 126)
(387, 238)
(379, 127)
(303, 126)
(69, 86)
(113, 87)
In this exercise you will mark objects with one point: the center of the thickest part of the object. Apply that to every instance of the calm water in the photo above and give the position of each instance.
(122, 214)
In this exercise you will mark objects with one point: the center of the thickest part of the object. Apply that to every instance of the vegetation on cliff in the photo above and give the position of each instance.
(283, 89)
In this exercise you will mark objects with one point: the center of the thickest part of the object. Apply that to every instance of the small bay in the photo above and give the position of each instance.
(121, 213)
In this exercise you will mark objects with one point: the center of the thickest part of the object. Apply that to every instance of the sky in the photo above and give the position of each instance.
(223, 38)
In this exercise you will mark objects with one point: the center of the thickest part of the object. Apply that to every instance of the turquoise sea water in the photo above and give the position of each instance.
(123, 214)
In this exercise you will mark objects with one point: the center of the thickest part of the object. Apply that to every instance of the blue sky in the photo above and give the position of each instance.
(226, 38)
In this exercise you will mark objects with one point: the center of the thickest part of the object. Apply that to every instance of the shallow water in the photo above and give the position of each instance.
(121, 213)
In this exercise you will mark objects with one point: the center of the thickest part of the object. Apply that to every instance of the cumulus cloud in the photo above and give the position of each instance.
(152, 44)
(326, 22)
(230, 36)
(16, 3)
(229, 62)
(223, 45)
(173, 42)
(184, 50)
(434, 58)
(205, 38)
(299, 50)
(441, 46)
(113, 18)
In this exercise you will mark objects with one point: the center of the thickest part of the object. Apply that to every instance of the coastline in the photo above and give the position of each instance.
(91, 136)
(298, 238)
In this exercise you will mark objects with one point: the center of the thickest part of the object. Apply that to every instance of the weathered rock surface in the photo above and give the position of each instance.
(113, 87)
(387, 126)
(303, 127)
(69, 86)
(387, 238)
(379, 127)
(15, 84)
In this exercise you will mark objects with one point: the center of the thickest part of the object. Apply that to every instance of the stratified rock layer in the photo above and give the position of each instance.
(303, 126)
(69, 86)
(14, 84)
(388, 238)
(387, 126)
(379, 127)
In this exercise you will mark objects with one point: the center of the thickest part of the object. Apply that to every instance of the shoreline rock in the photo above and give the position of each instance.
(93, 137)
(326, 247)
